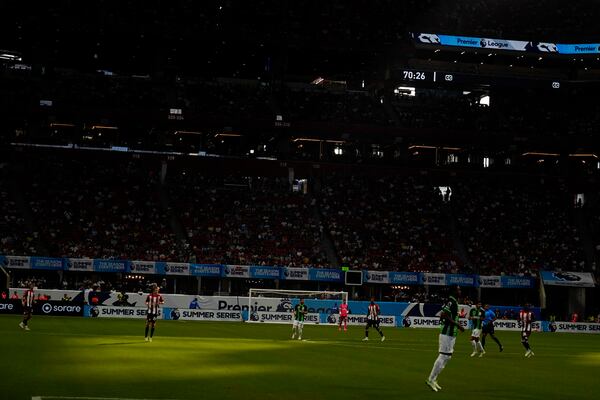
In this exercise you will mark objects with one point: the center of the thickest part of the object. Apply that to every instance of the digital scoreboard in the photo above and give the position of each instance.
(416, 76)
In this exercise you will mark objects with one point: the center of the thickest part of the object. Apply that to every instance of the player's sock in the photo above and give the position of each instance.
(498, 342)
(380, 332)
(366, 333)
(299, 333)
(438, 366)
(480, 347)
(483, 341)
(146, 334)
(152, 332)
(474, 343)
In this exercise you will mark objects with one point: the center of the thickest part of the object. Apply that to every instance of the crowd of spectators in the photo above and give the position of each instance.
(389, 223)
(517, 228)
(256, 221)
(99, 210)
(114, 209)
(15, 238)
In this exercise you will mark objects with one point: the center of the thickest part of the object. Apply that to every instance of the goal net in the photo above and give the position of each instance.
(276, 306)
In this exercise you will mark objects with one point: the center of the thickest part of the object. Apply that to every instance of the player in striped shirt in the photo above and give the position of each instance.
(450, 326)
(476, 316)
(525, 321)
(373, 319)
(28, 301)
(343, 316)
(300, 312)
(153, 302)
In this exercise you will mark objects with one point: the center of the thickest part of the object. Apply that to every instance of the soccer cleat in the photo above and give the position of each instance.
(27, 328)
(365, 339)
(299, 337)
(293, 336)
(473, 354)
(146, 338)
(21, 325)
(438, 387)
(501, 349)
(481, 354)
(431, 384)
(149, 339)
(529, 353)
(383, 338)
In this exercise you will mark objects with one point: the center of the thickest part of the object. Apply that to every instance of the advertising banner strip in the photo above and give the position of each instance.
(17, 262)
(297, 274)
(325, 275)
(207, 270)
(564, 278)
(257, 272)
(503, 44)
(142, 267)
(110, 265)
(376, 276)
(55, 264)
(173, 268)
(117, 312)
(236, 271)
(79, 264)
(202, 315)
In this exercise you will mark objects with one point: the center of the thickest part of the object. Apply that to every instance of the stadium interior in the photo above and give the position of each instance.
(306, 136)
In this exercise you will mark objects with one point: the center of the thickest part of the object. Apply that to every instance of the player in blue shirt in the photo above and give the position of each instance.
(488, 327)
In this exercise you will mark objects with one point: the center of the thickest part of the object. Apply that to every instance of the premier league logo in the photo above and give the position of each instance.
(482, 43)
(227, 270)
(94, 312)
(284, 306)
(254, 316)
(175, 314)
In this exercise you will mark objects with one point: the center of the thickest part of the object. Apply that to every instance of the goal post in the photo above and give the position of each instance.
(276, 306)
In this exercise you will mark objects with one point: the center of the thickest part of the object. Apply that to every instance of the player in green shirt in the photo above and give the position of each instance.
(447, 337)
(300, 312)
(476, 316)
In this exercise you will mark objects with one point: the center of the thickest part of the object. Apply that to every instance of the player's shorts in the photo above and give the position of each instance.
(27, 310)
(372, 323)
(489, 328)
(525, 334)
(151, 317)
(476, 333)
(446, 344)
(298, 324)
(343, 318)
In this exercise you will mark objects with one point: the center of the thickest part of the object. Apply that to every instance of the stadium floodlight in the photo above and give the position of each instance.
(273, 305)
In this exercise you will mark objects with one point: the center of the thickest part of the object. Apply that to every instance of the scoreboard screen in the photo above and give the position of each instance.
(415, 76)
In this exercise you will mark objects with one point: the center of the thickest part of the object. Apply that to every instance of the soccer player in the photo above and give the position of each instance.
(447, 338)
(300, 312)
(153, 302)
(488, 327)
(525, 320)
(343, 316)
(28, 301)
(373, 319)
(476, 316)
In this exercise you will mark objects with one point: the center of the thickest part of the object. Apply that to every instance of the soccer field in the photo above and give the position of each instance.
(75, 358)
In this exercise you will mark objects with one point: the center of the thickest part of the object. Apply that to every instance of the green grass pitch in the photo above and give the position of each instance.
(74, 358)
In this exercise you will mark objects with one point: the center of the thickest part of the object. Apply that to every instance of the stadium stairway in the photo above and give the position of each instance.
(326, 243)
(582, 225)
(174, 222)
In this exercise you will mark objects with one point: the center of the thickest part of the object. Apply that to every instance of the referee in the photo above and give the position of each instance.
(488, 327)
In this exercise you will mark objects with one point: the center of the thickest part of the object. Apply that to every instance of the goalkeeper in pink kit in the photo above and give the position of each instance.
(343, 316)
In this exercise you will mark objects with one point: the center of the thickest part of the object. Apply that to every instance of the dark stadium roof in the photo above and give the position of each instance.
(336, 38)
